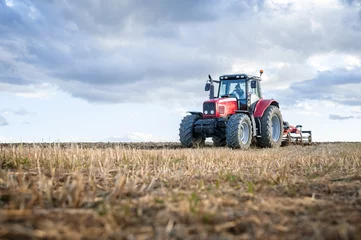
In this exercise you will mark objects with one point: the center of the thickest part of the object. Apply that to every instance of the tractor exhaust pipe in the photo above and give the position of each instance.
(211, 90)
(210, 87)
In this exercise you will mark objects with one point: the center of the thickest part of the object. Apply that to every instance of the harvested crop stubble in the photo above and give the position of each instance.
(121, 192)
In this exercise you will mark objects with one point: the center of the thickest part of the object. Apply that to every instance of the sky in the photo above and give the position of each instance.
(129, 70)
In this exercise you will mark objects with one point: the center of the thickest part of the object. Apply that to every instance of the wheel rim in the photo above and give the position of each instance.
(244, 133)
(275, 128)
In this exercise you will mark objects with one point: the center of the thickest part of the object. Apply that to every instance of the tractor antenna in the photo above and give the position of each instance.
(260, 73)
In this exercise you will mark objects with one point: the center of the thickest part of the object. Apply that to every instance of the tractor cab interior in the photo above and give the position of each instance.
(236, 89)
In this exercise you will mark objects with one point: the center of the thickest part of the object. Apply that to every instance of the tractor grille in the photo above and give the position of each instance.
(209, 106)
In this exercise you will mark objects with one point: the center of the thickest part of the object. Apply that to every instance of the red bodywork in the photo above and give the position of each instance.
(228, 106)
(291, 129)
(224, 107)
(261, 106)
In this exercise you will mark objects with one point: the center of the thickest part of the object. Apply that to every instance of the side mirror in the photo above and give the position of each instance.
(207, 87)
(253, 84)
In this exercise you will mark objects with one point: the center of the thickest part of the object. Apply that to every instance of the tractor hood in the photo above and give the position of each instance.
(222, 100)
(219, 107)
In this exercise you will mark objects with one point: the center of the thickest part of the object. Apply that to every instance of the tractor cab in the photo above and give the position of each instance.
(246, 89)
(236, 92)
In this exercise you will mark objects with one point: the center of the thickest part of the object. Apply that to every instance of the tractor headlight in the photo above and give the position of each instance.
(212, 112)
(205, 112)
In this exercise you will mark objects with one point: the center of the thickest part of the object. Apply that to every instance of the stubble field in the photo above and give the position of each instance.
(162, 191)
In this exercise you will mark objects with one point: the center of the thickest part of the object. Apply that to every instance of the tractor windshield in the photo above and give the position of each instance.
(233, 88)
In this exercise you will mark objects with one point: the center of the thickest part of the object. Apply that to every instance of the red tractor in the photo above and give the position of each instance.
(235, 117)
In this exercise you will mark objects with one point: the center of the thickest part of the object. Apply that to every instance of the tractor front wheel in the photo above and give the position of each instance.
(186, 135)
(239, 131)
(271, 128)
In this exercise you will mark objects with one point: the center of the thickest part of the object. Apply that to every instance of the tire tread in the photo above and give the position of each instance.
(266, 135)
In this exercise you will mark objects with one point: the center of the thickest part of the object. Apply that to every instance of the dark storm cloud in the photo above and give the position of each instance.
(351, 102)
(10, 20)
(354, 4)
(338, 117)
(101, 73)
(3, 121)
(351, 3)
(340, 86)
(61, 39)
(97, 17)
(326, 83)
(99, 50)
(5, 78)
(100, 16)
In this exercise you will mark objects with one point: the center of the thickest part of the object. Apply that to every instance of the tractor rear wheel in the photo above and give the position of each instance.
(239, 131)
(271, 128)
(219, 141)
(186, 135)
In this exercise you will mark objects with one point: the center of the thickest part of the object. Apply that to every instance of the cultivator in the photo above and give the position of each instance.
(295, 135)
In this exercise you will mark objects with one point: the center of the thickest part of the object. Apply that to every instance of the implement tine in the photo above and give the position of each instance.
(309, 137)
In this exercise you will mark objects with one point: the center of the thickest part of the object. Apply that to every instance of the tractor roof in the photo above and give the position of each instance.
(238, 76)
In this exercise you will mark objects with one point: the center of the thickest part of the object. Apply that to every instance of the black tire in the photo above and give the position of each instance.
(271, 128)
(219, 141)
(186, 135)
(239, 131)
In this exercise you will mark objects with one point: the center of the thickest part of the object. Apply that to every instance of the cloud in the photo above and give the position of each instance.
(20, 111)
(111, 51)
(341, 86)
(3, 121)
(338, 117)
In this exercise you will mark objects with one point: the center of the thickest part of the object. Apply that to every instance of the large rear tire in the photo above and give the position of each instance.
(219, 141)
(186, 135)
(271, 128)
(239, 131)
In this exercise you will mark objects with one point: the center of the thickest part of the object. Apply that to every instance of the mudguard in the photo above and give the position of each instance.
(196, 113)
(262, 105)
